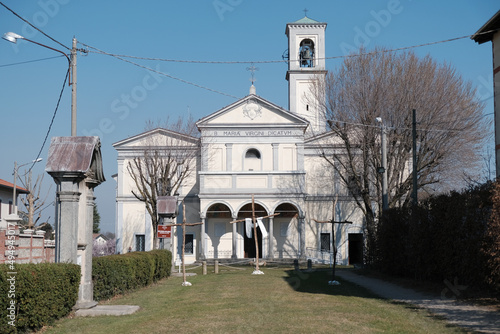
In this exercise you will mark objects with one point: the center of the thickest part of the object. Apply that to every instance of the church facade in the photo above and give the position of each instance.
(255, 157)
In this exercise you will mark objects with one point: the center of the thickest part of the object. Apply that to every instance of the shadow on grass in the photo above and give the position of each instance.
(316, 281)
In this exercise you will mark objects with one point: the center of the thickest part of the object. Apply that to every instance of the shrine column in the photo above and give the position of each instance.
(66, 223)
(85, 245)
(271, 238)
(235, 239)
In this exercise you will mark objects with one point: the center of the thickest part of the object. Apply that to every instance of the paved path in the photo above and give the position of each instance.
(475, 318)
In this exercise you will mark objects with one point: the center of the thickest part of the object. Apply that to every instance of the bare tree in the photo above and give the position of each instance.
(167, 160)
(33, 202)
(390, 85)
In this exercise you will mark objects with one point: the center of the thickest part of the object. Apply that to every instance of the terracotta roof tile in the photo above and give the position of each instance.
(6, 184)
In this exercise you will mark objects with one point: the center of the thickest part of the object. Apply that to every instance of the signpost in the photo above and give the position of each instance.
(164, 231)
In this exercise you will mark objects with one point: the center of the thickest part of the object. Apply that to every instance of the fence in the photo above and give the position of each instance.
(27, 247)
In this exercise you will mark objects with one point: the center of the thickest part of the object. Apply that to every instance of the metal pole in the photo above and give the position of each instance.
(14, 210)
(414, 132)
(73, 89)
(384, 165)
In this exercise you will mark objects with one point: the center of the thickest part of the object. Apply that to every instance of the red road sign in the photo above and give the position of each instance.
(164, 231)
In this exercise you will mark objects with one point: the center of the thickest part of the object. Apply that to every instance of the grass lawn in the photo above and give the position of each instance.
(234, 301)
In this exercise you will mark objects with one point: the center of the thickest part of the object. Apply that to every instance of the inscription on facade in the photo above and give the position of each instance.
(255, 133)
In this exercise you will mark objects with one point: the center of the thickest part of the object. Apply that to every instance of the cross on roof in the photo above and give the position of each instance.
(252, 70)
(305, 11)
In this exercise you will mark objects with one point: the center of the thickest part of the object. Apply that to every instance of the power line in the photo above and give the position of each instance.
(97, 51)
(34, 27)
(52, 120)
(30, 61)
(165, 74)
(403, 128)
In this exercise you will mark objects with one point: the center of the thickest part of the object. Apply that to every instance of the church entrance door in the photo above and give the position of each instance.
(249, 242)
(249, 245)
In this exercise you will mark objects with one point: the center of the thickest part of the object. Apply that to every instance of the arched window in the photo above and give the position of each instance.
(252, 160)
(306, 53)
(252, 154)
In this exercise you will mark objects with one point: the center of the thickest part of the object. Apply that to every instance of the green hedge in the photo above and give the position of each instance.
(116, 274)
(42, 293)
(449, 237)
(45, 292)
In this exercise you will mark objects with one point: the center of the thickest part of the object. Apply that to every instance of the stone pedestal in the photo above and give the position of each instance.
(75, 164)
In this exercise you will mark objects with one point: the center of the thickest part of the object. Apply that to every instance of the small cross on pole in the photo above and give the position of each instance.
(184, 224)
(305, 11)
(254, 220)
(333, 222)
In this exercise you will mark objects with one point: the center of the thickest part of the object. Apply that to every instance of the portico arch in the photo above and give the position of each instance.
(287, 231)
(218, 231)
(245, 211)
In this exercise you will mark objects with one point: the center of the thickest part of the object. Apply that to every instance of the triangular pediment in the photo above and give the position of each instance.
(156, 137)
(252, 111)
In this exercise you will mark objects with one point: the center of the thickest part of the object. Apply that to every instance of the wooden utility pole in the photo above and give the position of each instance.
(184, 224)
(333, 222)
(254, 221)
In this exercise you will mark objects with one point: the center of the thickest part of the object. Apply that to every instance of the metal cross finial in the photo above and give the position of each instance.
(305, 11)
(252, 70)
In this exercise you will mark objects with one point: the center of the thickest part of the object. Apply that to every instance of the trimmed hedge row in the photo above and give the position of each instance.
(116, 274)
(42, 293)
(450, 237)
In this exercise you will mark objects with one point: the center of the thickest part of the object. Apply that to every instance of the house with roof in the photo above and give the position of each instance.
(489, 32)
(6, 200)
(255, 158)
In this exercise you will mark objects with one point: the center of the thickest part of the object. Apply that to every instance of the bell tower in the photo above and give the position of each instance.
(306, 63)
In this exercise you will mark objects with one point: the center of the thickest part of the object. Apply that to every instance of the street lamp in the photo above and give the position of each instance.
(13, 37)
(16, 168)
(383, 169)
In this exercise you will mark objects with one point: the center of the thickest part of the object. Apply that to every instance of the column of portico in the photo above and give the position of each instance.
(203, 237)
(234, 238)
(271, 238)
(302, 237)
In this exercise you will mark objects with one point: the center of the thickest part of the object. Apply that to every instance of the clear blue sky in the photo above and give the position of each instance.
(217, 30)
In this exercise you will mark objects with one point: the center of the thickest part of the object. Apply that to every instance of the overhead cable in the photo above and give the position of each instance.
(30, 61)
(166, 75)
(34, 27)
(273, 61)
(52, 120)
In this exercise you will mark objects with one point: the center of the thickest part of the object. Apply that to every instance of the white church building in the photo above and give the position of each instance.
(253, 147)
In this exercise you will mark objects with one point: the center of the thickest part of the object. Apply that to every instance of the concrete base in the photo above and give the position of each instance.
(84, 305)
(99, 310)
(180, 274)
